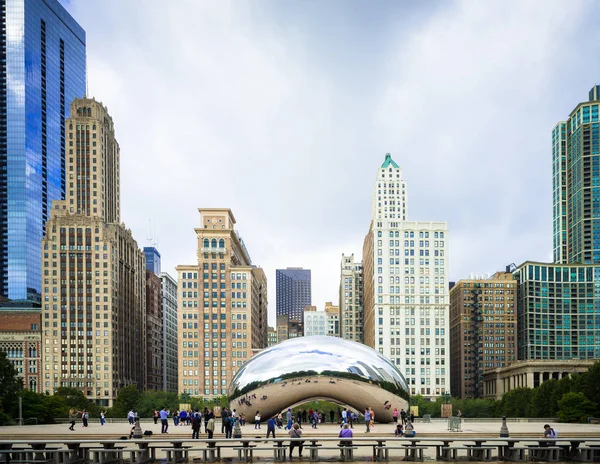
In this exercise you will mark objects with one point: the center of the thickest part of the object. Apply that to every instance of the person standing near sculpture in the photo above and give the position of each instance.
(288, 418)
(196, 425)
(403, 416)
(271, 427)
(164, 414)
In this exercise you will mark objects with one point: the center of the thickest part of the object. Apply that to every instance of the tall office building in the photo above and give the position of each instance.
(94, 282)
(576, 184)
(152, 259)
(406, 304)
(483, 330)
(41, 71)
(293, 293)
(351, 299)
(222, 308)
(556, 303)
(169, 312)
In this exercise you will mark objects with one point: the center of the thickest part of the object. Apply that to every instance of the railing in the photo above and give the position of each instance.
(372, 448)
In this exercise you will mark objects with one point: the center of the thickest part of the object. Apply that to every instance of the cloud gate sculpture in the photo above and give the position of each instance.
(329, 368)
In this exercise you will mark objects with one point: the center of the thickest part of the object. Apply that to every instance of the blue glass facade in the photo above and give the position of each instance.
(152, 260)
(43, 71)
(293, 293)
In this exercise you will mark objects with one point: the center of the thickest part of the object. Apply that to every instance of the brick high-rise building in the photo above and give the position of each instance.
(94, 282)
(20, 339)
(483, 330)
(154, 332)
(222, 308)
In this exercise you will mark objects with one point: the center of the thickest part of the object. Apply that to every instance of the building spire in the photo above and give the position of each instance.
(389, 161)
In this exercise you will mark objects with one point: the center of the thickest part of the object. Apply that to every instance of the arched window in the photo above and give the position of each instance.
(213, 243)
(221, 243)
(206, 243)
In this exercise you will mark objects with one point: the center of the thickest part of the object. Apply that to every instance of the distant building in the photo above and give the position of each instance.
(293, 293)
(222, 305)
(154, 332)
(333, 319)
(555, 303)
(283, 328)
(21, 340)
(529, 374)
(271, 336)
(152, 259)
(575, 161)
(315, 322)
(43, 68)
(405, 294)
(94, 277)
(351, 299)
(483, 330)
(169, 333)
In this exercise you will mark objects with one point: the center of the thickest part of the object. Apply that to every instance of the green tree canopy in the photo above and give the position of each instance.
(575, 407)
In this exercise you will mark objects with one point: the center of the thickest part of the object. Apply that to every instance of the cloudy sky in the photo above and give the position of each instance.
(283, 110)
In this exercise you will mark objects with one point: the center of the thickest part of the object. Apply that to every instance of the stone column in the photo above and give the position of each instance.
(530, 378)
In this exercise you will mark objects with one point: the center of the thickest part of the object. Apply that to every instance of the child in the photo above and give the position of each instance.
(399, 431)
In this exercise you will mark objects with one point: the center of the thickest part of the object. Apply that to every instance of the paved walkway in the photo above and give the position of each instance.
(489, 428)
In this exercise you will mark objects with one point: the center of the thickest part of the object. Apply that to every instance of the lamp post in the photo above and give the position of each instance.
(504, 428)
(137, 429)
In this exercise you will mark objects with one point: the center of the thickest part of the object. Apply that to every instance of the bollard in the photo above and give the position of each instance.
(137, 429)
(504, 429)
(237, 431)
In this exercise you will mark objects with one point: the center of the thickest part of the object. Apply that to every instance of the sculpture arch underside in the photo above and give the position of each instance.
(276, 398)
(305, 368)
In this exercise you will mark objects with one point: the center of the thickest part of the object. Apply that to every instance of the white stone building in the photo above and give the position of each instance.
(406, 297)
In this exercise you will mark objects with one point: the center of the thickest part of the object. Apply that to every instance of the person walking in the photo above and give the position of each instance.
(368, 419)
(299, 416)
(84, 418)
(412, 417)
(403, 416)
(395, 415)
(163, 420)
(315, 420)
(288, 418)
(176, 418)
(130, 416)
(224, 414)
(196, 425)
(155, 416)
(271, 427)
(350, 417)
(331, 416)
(102, 418)
(459, 415)
(295, 432)
(206, 417)
(72, 418)
(279, 421)
(344, 418)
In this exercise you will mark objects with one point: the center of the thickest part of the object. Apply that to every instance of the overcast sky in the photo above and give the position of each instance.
(283, 111)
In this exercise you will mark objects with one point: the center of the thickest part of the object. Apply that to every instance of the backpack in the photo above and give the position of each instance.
(197, 421)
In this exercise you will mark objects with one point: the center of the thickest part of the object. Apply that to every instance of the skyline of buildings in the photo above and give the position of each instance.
(100, 295)
(43, 70)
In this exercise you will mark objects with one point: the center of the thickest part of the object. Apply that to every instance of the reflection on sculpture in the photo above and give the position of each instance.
(330, 368)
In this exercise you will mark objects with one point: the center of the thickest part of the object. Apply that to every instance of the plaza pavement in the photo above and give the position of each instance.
(488, 428)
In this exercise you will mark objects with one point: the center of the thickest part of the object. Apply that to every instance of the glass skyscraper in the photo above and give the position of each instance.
(43, 68)
(293, 292)
(576, 184)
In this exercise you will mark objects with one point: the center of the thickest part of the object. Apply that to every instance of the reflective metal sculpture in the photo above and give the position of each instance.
(330, 368)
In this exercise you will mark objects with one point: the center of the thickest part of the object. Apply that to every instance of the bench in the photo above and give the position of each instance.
(476, 453)
(177, 453)
(511, 453)
(346, 452)
(71, 456)
(414, 452)
(106, 455)
(27, 456)
(544, 453)
(382, 452)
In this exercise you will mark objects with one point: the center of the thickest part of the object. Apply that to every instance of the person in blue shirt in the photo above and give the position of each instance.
(271, 427)
(368, 419)
(163, 420)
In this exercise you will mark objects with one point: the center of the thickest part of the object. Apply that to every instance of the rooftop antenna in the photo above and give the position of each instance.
(151, 237)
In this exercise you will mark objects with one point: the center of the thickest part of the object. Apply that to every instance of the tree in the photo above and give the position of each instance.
(575, 407)
(10, 385)
(544, 400)
(127, 399)
(516, 403)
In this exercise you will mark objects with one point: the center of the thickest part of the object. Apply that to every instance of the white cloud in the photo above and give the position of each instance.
(285, 119)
